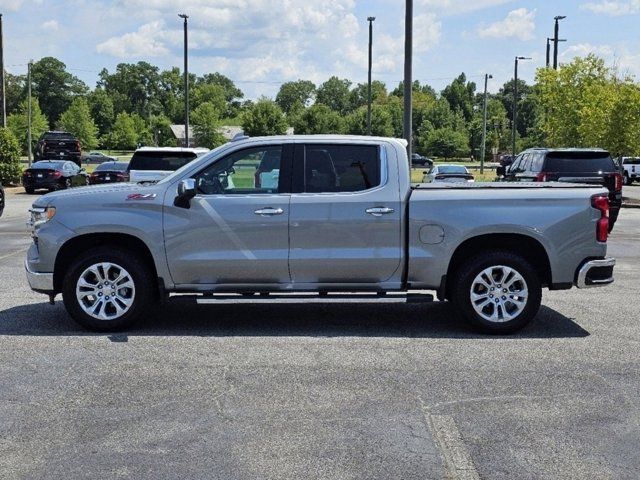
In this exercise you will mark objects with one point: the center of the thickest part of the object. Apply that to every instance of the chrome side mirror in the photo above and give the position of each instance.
(186, 191)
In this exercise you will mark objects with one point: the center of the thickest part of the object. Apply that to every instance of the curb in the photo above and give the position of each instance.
(14, 189)
(631, 205)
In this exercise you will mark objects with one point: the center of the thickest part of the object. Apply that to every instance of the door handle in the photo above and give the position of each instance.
(379, 211)
(269, 211)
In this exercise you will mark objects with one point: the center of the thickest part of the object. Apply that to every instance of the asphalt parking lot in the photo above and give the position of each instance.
(320, 390)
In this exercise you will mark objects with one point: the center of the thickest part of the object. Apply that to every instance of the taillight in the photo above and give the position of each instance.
(618, 182)
(27, 174)
(78, 145)
(57, 174)
(601, 203)
(94, 175)
(541, 177)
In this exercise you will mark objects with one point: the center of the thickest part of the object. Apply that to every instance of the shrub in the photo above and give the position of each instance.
(10, 169)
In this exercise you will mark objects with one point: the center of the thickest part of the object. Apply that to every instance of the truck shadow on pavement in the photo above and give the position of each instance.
(184, 318)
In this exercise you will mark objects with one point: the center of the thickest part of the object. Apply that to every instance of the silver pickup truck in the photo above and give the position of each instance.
(316, 214)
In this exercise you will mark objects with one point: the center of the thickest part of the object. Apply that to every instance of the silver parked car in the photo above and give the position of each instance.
(448, 173)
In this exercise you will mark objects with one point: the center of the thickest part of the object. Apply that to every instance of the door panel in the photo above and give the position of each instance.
(343, 236)
(221, 240)
(236, 230)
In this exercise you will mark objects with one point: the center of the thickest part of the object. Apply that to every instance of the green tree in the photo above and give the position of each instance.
(381, 123)
(206, 125)
(446, 142)
(460, 95)
(294, 96)
(318, 119)
(54, 87)
(133, 88)
(233, 94)
(160, 126)
(264, 117)
(10, 169)
(335, 94)
(18, 123)
(123, 135)
(16, 92)
(359, 95)
(143, 132)
(212, 94)
(77, 120)
(101, 107)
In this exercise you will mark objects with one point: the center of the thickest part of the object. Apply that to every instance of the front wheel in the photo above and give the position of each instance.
(497, 292)
(107, 289)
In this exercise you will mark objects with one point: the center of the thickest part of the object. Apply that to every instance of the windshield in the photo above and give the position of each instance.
(451, 169)
(572, 162)
(203, 160)
(119, 166)
(165, 161)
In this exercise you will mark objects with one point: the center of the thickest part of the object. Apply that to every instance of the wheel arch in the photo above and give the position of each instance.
(527, 247)
(71, 248)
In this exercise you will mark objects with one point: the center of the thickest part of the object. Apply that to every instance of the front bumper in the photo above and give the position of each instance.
(595, 273)
(39, 282)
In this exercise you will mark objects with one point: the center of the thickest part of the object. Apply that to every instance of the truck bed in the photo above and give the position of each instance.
(499, 185)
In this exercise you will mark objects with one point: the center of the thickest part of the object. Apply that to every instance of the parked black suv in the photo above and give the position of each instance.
(569, 165)
(58, 146)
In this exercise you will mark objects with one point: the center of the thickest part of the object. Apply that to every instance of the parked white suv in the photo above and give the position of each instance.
(152, 164)
(630, 169)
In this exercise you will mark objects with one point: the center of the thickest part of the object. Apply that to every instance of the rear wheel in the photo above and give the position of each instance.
(627, 179)
(67, 183)
(29, 190)
(107, 289)
(497, 292)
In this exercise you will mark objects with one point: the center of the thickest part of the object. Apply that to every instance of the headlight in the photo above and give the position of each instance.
(40, 215)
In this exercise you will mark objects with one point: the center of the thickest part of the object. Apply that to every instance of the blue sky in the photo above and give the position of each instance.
(262, 43)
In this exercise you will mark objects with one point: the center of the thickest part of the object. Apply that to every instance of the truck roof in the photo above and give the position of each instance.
(172, 149)
(324, 137)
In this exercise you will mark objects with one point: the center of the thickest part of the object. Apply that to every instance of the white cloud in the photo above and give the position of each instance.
(456, 7)
(427, 30)
(51, 25)
(15, 5)
(614, 8)
(621, 57)
(518, 23)
(147, 41)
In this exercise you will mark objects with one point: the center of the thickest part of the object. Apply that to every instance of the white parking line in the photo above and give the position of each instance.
(11, 254)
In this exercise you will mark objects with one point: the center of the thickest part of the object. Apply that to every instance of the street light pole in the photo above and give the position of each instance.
(556, 39)
(186, 82)
(370, 20)
(29, 111)
(548, 52)
(515, 104)
(408, 74)
(484, 123)
(3, 93)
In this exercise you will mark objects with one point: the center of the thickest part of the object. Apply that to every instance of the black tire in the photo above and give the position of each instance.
(142, 277)
(627, 179)
(66, 184)
(463, 280)
(29, 190)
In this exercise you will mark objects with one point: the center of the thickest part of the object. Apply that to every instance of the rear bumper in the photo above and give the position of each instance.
(39, 282)
(595, 273)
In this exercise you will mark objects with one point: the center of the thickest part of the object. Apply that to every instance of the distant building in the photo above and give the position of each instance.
(228, 132)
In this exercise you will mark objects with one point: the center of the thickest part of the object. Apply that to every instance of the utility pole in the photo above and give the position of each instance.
(186, 81)
(556, 39)
(515, 104)
(548, 52)
(408, 74)
(29, 111)
(370, 20)
(3, 93)
(484, 123)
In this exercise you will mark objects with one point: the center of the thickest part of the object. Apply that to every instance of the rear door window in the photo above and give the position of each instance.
(164, 161)
(573, 162)
(341, 168)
